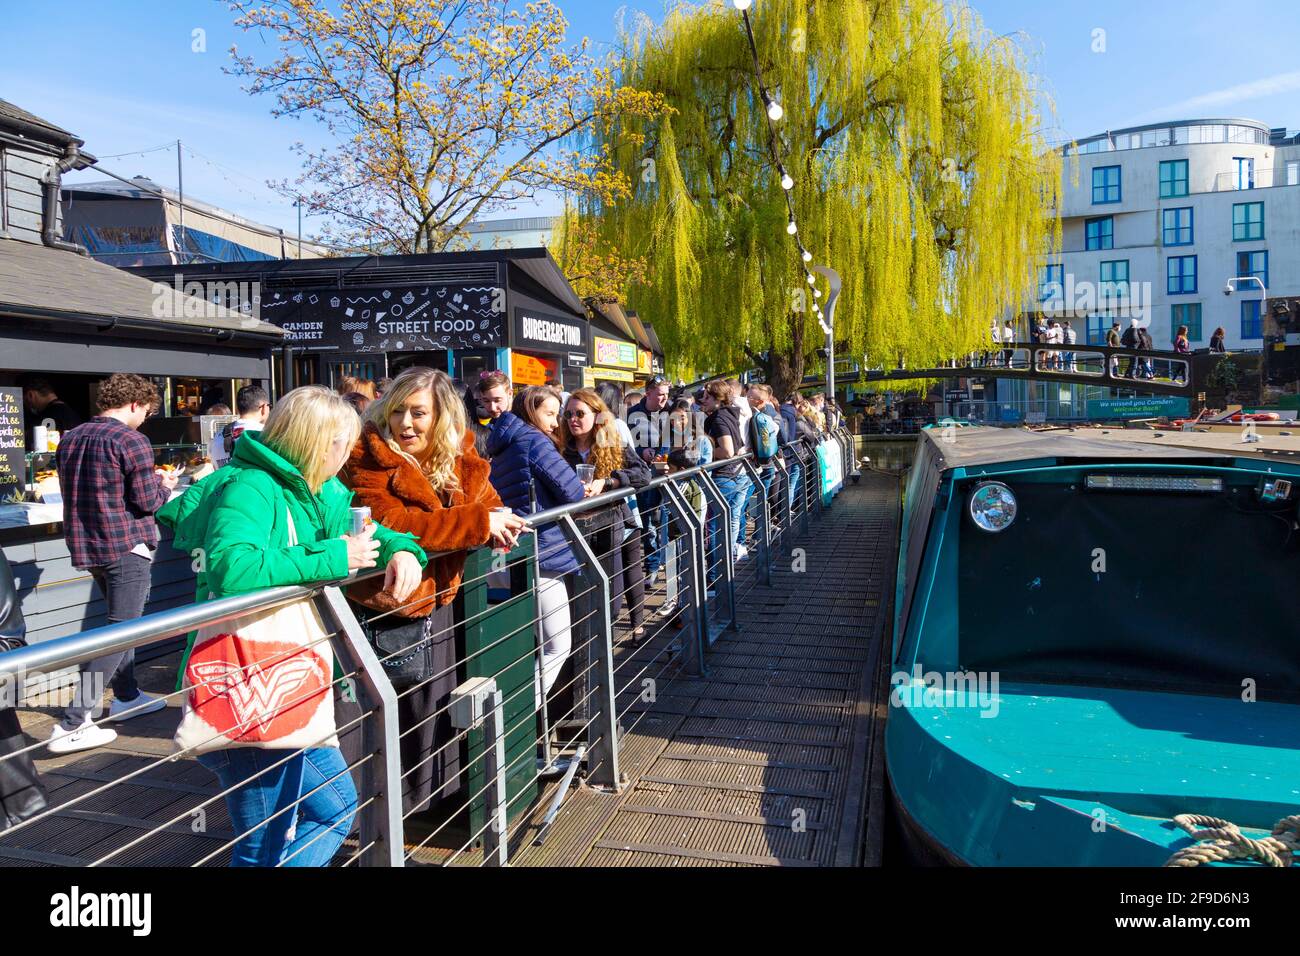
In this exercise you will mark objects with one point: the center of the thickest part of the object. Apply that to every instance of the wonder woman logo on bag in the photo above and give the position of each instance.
(263, 699)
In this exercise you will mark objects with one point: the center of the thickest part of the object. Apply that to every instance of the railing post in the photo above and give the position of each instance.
(692, 643)
(727, 586)
(783, 506)
(602, 727)
(381, 775)
(764, 526)
(478, 703)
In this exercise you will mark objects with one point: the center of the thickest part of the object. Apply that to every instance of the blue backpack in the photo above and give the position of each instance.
(765, 434)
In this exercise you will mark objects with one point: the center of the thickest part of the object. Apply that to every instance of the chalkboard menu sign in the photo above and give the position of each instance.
(13, 468)
(399, 319)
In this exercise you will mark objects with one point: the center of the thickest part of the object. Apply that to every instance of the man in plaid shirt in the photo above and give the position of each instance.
(111, 490)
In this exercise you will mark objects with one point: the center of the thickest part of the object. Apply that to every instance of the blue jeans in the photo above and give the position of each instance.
(735, 491)
(654, 515)
(766, 475)
(331, 808)
(796, 472)
(125, 586)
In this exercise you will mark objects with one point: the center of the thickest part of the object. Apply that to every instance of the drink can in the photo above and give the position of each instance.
(360, 520)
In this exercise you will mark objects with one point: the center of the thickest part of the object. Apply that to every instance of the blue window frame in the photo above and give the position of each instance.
(1176, 226)
(1188, 314)
(1099, 233)
(1114, 279)
(1245, 172)
(1247, 221)
(1105, 185)
(1252, 264)
(1180, 275)
(1173, 178)
(1052, 285)
(1251, 327)
(1098, 326)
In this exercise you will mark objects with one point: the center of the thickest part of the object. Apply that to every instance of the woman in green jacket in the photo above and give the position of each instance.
(238, 521)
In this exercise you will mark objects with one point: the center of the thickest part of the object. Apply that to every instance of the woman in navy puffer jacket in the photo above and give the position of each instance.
(531, 475)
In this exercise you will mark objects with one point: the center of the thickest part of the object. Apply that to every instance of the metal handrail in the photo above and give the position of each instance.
(596, 687)
(126, 635)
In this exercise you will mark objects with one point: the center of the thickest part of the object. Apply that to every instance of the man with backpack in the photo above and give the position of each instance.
(253, 405)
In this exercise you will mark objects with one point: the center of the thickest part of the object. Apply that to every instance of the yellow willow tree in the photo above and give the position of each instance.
(920, 176)
(442, 111)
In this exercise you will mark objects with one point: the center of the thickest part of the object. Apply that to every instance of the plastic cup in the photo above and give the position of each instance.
(586, 474)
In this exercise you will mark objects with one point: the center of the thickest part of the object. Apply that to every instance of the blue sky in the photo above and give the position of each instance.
(130, 80)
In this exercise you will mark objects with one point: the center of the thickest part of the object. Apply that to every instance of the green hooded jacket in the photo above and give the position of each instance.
(234, 524)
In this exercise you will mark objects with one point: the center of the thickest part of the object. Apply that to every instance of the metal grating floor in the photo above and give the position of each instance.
(773, 759)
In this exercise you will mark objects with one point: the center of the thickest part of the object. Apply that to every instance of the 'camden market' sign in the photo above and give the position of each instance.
(547, 332)
(1153, 407)
(399, 319)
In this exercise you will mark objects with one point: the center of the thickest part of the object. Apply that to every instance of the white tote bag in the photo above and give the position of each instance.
(264, 681)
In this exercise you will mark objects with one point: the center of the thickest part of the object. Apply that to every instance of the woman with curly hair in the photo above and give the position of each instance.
(589, 435)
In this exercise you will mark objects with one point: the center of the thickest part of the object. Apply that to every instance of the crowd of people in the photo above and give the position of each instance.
(442, 471)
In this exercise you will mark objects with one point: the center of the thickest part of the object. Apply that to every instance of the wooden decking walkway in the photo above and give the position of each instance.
(771, 759)
(774, 758)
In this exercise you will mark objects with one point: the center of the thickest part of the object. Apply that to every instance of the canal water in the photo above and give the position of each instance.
(893, 454)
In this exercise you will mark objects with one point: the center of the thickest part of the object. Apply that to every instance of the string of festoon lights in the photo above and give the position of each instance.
(775, 113)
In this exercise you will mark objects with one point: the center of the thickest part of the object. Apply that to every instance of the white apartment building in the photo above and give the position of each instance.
(1156, 221)
(1182, 208)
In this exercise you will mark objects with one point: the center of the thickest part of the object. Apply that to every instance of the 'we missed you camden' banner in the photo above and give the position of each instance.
(830, 464)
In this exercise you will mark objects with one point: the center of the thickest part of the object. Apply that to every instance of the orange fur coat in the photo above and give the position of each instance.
(400, 497)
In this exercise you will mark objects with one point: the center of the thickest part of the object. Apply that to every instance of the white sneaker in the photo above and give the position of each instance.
(137, 707)
(742, 553)
(654, 579)
(85, 737)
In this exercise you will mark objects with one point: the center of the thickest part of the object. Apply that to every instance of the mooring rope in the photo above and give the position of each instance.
(1222, 841)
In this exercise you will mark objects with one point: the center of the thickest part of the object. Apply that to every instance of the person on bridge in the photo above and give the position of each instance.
(1216, 340)
(1146, 343)
(1070, 337)
(1178, 370)
(1008, 339)
(1114, 341)
(1132, 340)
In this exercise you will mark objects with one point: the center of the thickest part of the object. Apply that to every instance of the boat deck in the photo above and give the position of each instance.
(774, 758)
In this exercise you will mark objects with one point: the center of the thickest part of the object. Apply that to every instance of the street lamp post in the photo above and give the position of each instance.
(828, 325)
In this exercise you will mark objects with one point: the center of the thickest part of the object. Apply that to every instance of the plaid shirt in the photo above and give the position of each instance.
(110, 491)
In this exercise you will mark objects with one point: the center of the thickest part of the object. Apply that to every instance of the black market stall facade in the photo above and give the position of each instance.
(371, 316)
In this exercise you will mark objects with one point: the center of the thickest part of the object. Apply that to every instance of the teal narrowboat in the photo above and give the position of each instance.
(1093, 632)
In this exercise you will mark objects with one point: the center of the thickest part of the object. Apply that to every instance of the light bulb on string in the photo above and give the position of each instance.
(812, 280)
(787, 181)
(742, 5)
(791, 227)
(774, 110)
(807, 256)
(817, 293)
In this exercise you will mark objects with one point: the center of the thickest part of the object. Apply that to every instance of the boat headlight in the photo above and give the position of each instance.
(992, 506)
